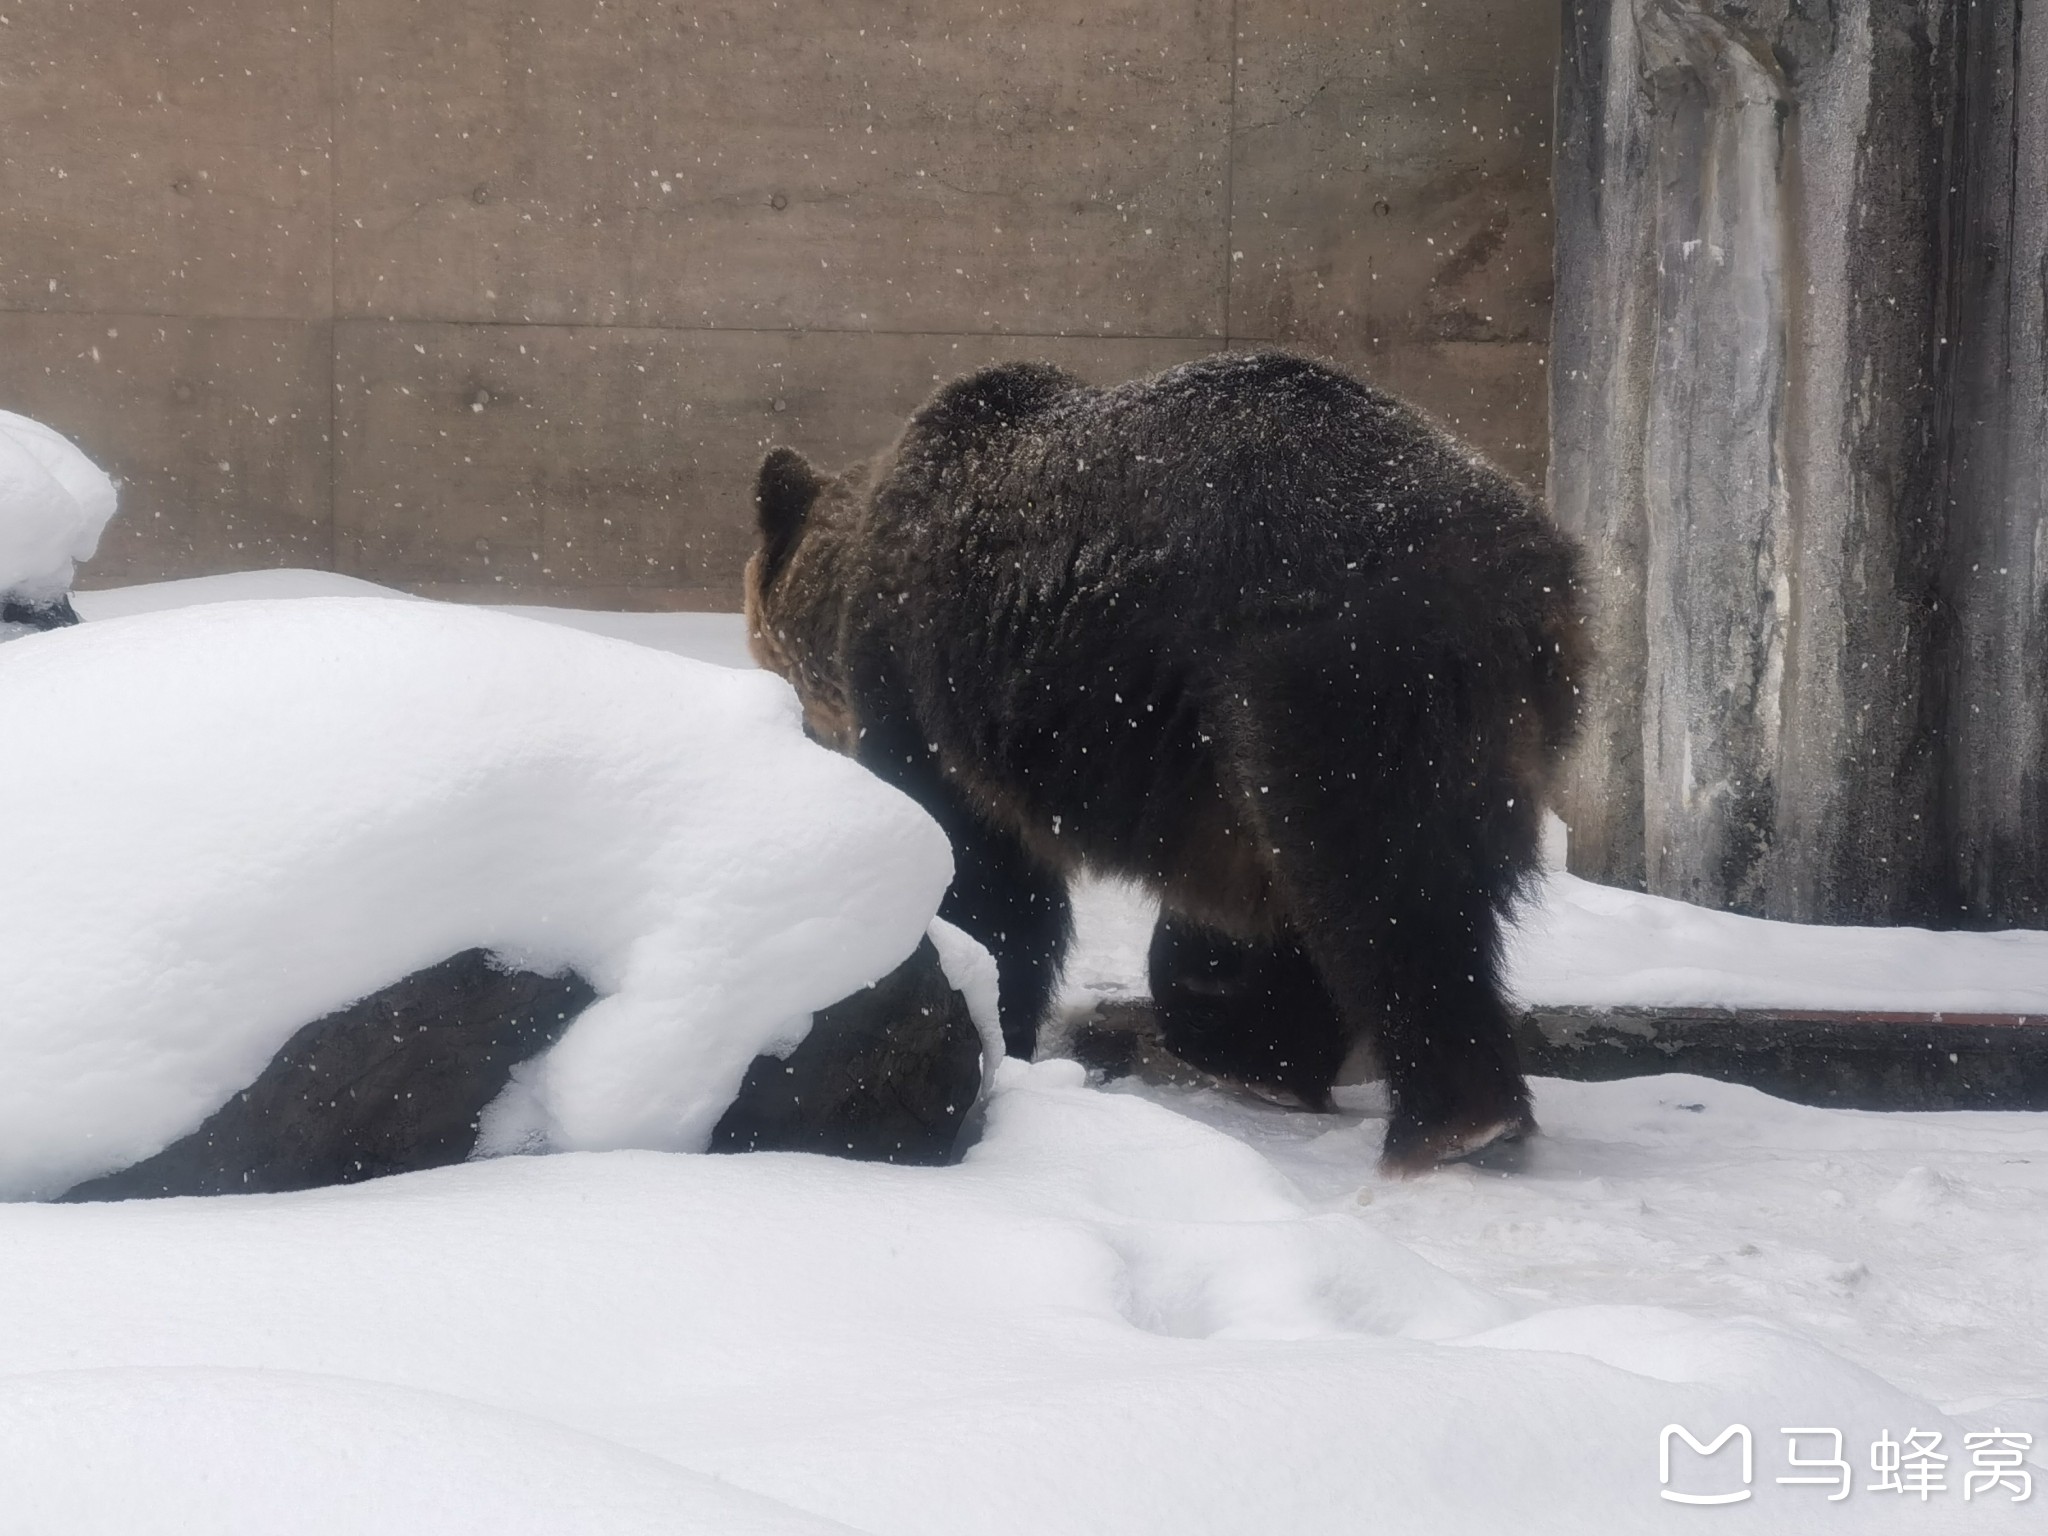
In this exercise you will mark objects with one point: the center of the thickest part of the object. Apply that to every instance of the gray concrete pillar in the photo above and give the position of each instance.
(1797, 393)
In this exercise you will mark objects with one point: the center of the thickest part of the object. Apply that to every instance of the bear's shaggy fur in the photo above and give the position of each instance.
(1250, 632)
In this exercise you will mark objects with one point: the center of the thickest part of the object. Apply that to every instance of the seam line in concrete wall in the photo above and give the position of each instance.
(780, 330)
(598, 325)
(333, 262)
(1230, 174)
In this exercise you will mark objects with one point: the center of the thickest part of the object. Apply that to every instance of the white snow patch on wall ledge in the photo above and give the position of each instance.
(1596, 946)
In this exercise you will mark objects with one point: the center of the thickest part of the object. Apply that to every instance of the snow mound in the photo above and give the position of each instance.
(138, 1452)
(54, 502)
(1111, 1317)
(235, 819)
(1575, 943)
(971, 970)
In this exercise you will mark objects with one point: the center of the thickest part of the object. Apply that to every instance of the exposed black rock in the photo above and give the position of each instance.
(887, 1075)
(396, 1083)
(52, 615)
(1842, 1060)
(1837, 1059)
(390, 1084)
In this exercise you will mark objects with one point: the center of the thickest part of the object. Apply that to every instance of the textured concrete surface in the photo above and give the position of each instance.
(1391, 199)
(479, 298)
(655, 508)
(166, 159)
(215, 430)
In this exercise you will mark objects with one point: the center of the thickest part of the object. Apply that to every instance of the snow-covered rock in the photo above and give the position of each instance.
(54, 502)
(241, 817)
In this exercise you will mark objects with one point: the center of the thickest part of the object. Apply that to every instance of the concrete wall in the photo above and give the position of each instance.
(481, 298)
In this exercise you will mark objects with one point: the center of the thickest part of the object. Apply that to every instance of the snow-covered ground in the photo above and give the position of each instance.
(1118, 1316)
(1136, 1309)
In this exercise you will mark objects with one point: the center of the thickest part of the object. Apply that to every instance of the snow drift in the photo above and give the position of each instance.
(1115, 1316)
(54, 502)
(235, 819)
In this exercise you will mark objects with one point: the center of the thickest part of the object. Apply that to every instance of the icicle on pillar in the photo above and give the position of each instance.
(1756, 432)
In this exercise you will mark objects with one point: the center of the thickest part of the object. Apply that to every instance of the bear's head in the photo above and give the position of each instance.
(796, 588)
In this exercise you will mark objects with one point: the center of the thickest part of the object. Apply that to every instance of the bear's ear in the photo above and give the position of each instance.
(783, 496)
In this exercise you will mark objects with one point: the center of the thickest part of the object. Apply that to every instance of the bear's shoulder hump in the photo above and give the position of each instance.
(996, 396)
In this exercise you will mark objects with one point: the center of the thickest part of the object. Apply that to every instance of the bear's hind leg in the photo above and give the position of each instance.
(1256, 1012)
(1399, 835)
(1444, 1033)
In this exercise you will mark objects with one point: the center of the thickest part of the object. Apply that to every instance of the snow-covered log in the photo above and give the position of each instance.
(1800, 413)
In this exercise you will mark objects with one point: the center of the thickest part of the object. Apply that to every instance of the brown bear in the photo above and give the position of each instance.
(1250, 632)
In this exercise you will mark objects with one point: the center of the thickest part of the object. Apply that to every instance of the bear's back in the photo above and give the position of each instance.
(1260, 478)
